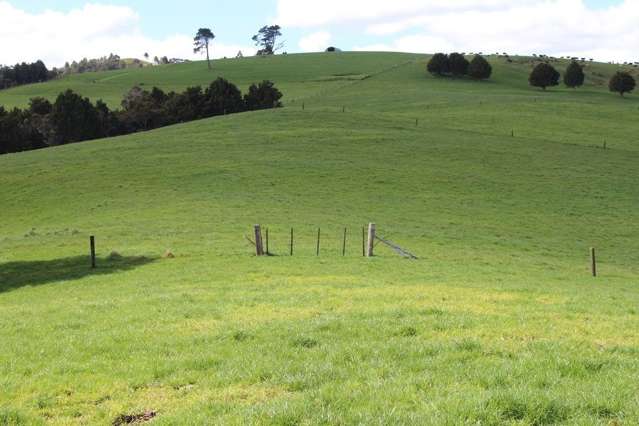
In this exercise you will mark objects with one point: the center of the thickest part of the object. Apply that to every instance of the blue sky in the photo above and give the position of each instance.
(234, 19)
(62, 29)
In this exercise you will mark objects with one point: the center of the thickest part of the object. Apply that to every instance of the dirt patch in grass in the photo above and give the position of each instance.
(126, 419)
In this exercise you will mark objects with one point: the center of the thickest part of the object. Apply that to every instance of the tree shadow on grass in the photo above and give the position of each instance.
(14, 275)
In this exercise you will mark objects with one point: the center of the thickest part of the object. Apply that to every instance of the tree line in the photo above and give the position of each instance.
(24, 73)
(456, 65)
(73, 118)
(543, 75)
(105, 63)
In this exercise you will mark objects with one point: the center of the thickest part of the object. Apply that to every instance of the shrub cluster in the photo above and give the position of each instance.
(24, 74)
(457, 65)
(73, 118)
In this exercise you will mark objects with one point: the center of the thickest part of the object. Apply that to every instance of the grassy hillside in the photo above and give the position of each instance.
(498, 322)
(297, 75)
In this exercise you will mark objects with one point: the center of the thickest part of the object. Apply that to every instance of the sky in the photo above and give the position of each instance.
(66, 30)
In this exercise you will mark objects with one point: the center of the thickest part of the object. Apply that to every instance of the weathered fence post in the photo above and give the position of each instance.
(593, 261)
(291, 241)
(267, 250)
(371, 240)
(259, 248)
(363, 241)
(344, 244)
(318, 241)
(92, 246)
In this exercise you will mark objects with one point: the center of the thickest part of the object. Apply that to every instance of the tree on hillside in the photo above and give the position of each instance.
(186, 106)
(574, 76)
(263, 96)
(438, 64)
(222, 97)
(146, 55)
(16, 132)
(143, 110)
(201, 42)
(74, 119)
(457, 64)
(544, 75)
(266, 38)
(622, 83)
(40, 106)
(479, 68)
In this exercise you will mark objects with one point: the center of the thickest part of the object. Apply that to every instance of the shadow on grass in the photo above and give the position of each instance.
(14, 275)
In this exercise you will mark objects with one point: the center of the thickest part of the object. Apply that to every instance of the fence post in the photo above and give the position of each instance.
(318, 241)
(363, 241)
(371, 240)
(593, 261)
(344, 244)
(267, 250)
(291, 241)
(92, 246)
(259, 248)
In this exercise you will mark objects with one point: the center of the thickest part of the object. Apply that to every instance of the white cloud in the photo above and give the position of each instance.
(413, 44)
(316, 42)
(556, 27)
(92, 31)
(295, 13)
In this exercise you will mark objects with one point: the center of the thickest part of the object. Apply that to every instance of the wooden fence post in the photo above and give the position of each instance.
(371, 240)
(92, 246)
(259, 248)
(291, 241)
(318, 241)
(363, 241)
(344, 244)
(267, 250)
(593, 261)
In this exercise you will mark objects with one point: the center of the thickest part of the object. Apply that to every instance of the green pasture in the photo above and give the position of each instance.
(499, 189)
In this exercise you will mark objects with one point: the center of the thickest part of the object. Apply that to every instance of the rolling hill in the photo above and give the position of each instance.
(498, 188)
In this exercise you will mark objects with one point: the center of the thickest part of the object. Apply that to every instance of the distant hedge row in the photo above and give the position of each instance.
(72, 118)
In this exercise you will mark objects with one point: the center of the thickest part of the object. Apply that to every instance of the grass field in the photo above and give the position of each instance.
(498, 322)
